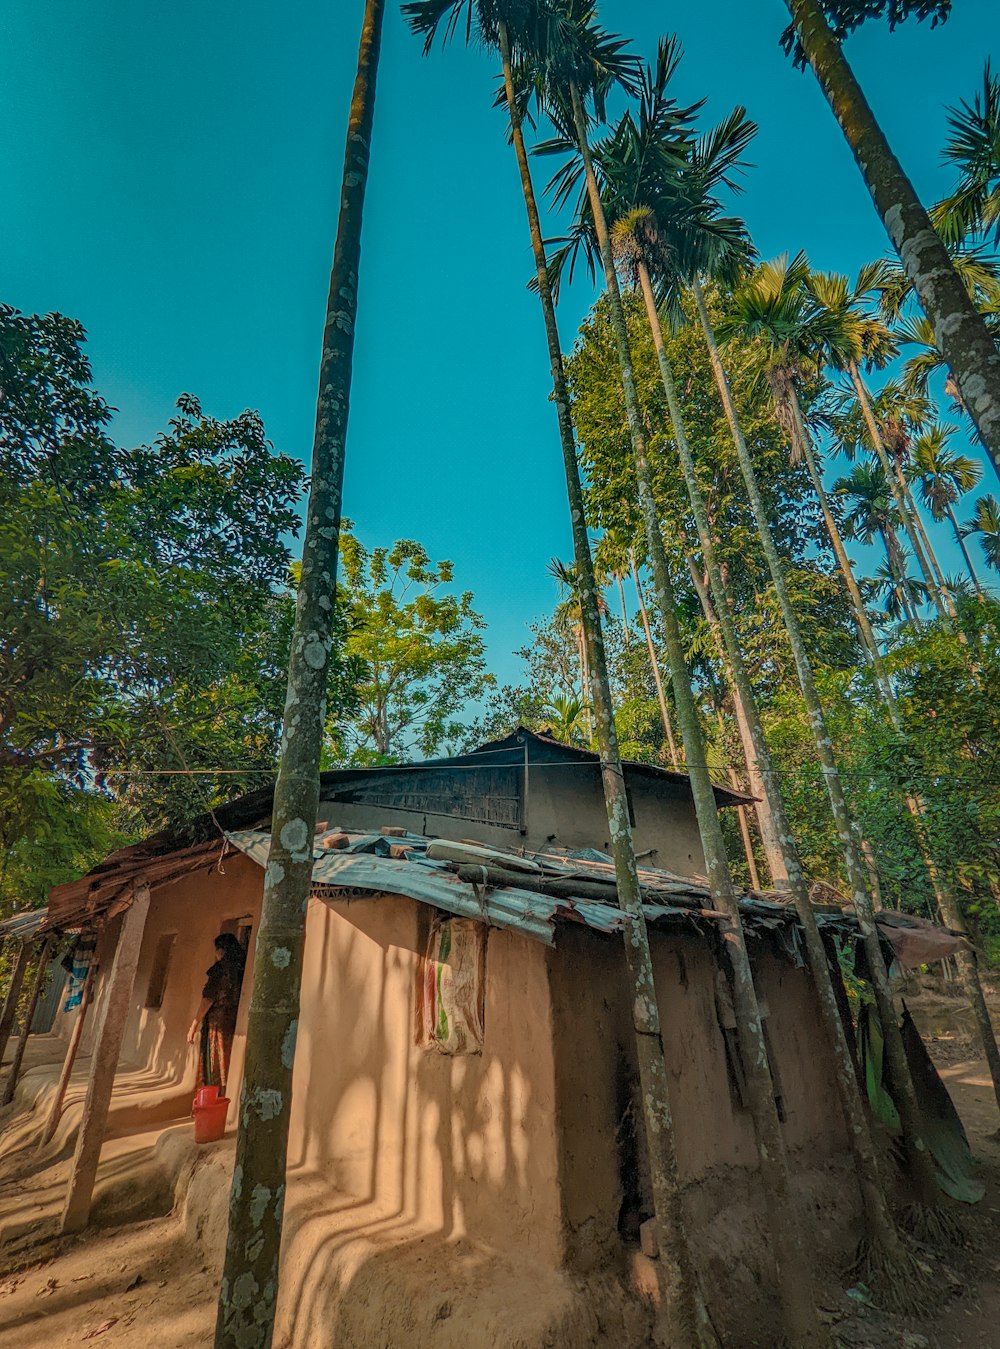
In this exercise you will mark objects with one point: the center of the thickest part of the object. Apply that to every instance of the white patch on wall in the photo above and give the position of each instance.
(452, 988)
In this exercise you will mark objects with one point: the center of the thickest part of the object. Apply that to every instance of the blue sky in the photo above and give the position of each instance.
(170, 178)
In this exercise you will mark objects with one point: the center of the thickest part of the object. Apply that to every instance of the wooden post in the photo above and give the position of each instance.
(44, 956)
(104, 1064)
(13, 993)
(76, 1035)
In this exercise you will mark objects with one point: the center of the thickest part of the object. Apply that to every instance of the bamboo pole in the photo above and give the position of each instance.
(76, 1035)
(15, 1067)
(9, 1011)
(104, 1064)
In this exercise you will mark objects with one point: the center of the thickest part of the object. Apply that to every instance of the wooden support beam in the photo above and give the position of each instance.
(104, 1064)
(44, 956)
(76, 1035)
(13, 993)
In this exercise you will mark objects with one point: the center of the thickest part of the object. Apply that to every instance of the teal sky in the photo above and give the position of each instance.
(170, 178)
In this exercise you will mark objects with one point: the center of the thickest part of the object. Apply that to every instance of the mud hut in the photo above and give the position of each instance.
(464, 1140)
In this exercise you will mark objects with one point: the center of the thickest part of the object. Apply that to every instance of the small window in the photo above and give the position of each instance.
(161, 967)
(452, 985)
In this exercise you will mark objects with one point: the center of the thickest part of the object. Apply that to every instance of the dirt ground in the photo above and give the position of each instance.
(145, 1284)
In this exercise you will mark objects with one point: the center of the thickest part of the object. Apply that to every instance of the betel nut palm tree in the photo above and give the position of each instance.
(528, 36)
(985, 524)
(667, 227)
(771, 311)
(973, 147)
(249, 1288)
(926, 1213)
(943, 477)
(959, 329)
(646, 158)
(854, 338)
(568, 86)
(844, 337)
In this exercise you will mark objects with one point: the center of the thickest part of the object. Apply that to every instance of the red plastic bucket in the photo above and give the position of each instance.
(210, 1120)
(207, 1095)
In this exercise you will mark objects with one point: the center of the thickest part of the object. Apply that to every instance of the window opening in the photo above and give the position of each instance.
(160, 969)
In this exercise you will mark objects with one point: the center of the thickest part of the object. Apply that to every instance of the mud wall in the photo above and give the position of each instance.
(603, 1169)
(462, 1143)
(155, 1053)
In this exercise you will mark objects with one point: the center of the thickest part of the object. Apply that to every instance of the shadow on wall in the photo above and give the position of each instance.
(425, 1159)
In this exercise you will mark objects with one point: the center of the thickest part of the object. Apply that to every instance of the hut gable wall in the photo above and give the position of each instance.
(563, 806)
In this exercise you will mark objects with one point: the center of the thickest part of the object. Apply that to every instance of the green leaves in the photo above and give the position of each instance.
(416, 648)
(974, 148)
(135, 583)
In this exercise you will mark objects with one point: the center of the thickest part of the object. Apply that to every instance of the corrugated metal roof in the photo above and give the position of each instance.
(364, 869)
(24, 926)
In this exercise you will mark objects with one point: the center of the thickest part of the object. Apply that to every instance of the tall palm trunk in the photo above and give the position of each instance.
(959, 330)
(249, 1289)
(968, 969)
(880, 1224)
(878, 444)
(770, 835)
(654, 662)
(682, 1306)
(928, 547)
(909, 1112)
(946, 901)
(741, 811)
(960, 540)
(626, 634)
(896, 559)
(868, 638)
(793, 1264)
(586, 694)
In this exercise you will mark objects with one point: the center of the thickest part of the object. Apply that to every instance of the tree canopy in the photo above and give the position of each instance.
(418, 649)
(148, 609)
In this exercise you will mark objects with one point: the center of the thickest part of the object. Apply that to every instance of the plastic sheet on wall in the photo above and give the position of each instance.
(451, 995)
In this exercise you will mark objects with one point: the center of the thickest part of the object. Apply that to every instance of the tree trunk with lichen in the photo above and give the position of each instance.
(881, 1228)
(683, 1316)
(906, 1099)
(654, 662)
(785, 1227)
(865, 629)
(960, 333)
(765, 818)
(249, 1289)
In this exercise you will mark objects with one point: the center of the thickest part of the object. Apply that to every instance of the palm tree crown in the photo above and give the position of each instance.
(974, 148)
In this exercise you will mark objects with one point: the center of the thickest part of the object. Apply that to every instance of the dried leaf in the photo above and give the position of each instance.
(99, 1330)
